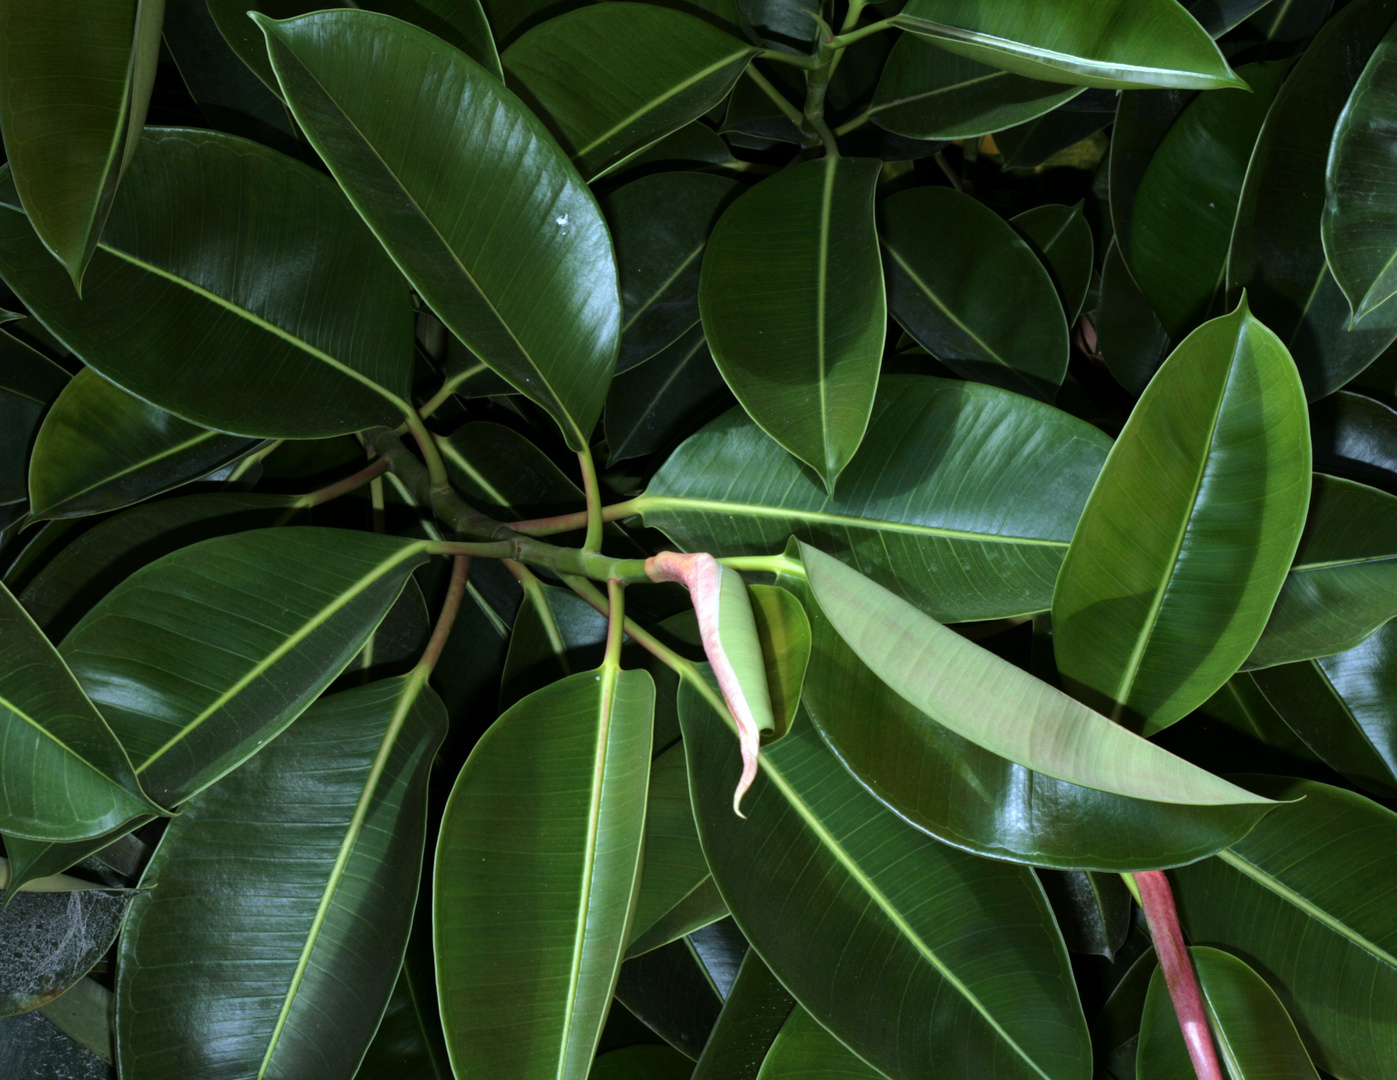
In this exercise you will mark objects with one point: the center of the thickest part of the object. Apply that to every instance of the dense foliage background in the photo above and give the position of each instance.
(1029, 365)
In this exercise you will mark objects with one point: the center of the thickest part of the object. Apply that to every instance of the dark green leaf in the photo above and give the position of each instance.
(794, 310)
(784, 24)
(963, 497)
(555, 633)
(641, 1062)
(926, 92)
(1190, 530)
(274, 924)
(1219, 16)
(1116, 43)
(28, 382)
(1342, 706)
(752, 1016)
(1060, 137)
(529, 288)
(1359, 225)
(501, 472)
(63, 776)
(32, 1046)
(1307, 900)
(1181, 224)
(1277, 254)
(1143, 118)
(1255, 1037)
(1061, 238)
(671, 993)
(101, 448)
(536, 868)
(972, 292)
(1092, 909)
(803, 1050)
(204, 225)
(1129, 337)
(1343, 583)
(903, 967)
(201, 657)
(648, 70)
(660, 224)
(1355, 436)
(75, 80)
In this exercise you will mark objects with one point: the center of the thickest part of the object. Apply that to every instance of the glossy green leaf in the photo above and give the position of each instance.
(201, 657)
(1354, 436)
(972, 292)
(1277, 254)
(502, 473)
(55, 933)
(404, 1046)
(270, 928)
(783, 24)
(1115, 43)
(101, 448)
(1343, 583)
(992, 703)
(1181, 224)
(753, 1014)
(1143, 119)
(204, 225)
(794, 309)
(555, 634)
(1190, 529)
(1061, 238)
(784, 632)
(925, 92)
(651, 406)
(75, 80)
(28, 382)
(1092, 910)
(536, 867)
(904, 968)
(674, 868)
(1129, 337)
(1342, 706)
(530, 288)
(671, 993)
(963, 497)
(803, 1050)
(1307, 899)
(98, 560)
(460, 23)
(1066, 137)
(1254, 1036)
(641, 1062)
(968, 797)
(64, 775)
(1359, 226)
(660, 224)
(1219, 16)
(649, 71)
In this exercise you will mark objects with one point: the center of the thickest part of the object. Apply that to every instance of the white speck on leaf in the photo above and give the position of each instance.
(561, 219)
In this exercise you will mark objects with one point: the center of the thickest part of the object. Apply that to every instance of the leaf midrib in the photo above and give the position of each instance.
(145, 462)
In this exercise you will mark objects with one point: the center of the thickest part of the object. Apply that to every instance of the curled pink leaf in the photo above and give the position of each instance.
(703, 576)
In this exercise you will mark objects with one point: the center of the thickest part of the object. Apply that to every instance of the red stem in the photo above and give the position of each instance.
(1158, 901)
(455, 591)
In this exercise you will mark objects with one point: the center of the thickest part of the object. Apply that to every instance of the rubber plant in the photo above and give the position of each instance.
(745, 539)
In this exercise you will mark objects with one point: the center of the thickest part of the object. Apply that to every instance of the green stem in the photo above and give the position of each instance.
(246, 464)
(455, 591)
(851, 125)
(436, 467)
(843, 41)
(789, 111)
(814, 129)
(793, 59)
(615, 622)
(765, 564)
(494, 539)
(592, 490)
(442, 396)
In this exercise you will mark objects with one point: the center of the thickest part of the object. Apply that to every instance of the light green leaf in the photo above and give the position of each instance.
(273, 916)
(222, 249)
(1277, 254)
(1359, 226)
(1186, 540)
(101, 448)
(972, 292)
(1110, 43)
(987, 700)
(529, 284)
(536, 868)
(904, 968)
(803, 1050)
(75, 80)
(201, 657)
(647, 71)
(794, 310)
(962, 499)
(925, 92)
(63, 776)
(1254, 1035)
(1181, 225)
(1308, 898)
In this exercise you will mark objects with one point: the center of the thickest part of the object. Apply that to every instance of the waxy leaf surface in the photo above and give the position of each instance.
(753, 1014)
(1109, 43)
(222, 249)
(1061, 237)
(962, 499)
(536, 867)
(201, 657)
(803, 1050)
(274, 914)
(469, 194)
(794, 310)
